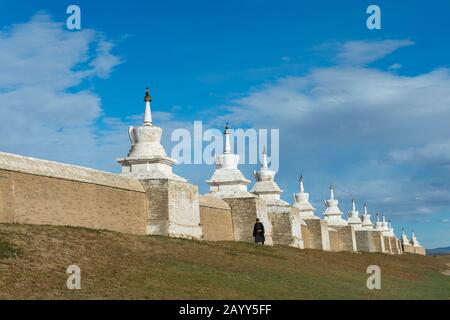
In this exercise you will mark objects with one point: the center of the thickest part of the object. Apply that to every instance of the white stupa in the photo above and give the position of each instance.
(147, 158)
(391, 229)
(414, 241)
(378, 224)
(404, 239)
(366, 222)
(265, 187)
(228, 180)
(301, 201)
(353, 217)
(333, 214)
(384, 223)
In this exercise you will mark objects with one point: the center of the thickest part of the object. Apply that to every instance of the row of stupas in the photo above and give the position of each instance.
(147, 198)
(292, 224)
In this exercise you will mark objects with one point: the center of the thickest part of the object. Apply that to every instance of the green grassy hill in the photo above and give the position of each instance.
(34, 259)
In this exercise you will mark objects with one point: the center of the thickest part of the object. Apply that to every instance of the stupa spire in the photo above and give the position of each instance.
(227, 145)
(301, 201)
(264, 164)
(147, 113)
(365, 208)
(333, 214)
(353, 217)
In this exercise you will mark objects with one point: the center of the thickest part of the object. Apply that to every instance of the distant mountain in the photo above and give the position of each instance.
(438, 251)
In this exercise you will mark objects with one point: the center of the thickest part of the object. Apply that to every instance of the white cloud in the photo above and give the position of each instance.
(41, 113)
(395, 66)
(432, 154)
(365, 52)
(350, 122)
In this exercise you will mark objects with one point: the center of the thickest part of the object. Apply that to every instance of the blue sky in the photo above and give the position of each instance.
(364, 109)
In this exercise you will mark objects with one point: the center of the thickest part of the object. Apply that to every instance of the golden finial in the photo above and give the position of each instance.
(147, 97)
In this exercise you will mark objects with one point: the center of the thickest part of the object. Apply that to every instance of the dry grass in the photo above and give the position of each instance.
(34, 259)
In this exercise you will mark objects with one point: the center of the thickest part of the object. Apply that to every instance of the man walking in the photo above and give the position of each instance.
(258, 232)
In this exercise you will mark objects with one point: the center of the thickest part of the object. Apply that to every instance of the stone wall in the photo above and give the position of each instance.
(364, 241)
(173, 207)
(286, 225)
(334, 239)
(420, 250)
(306, 236)
(43, 192)
(347, 239)
(317, 236)
(370, 241)
(387, 244)
(378, 241)
(244, 212)
(215, 219)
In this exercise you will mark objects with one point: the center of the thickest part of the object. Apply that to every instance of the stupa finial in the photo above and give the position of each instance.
(147, 95)
(302, 189)
(264, 163)
(331, 191)
(227, 145)
(353, 205)
(147, 113)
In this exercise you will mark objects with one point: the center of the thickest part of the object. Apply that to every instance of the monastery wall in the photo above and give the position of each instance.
(173, 207)
(420, 250)
(215, 219)
(42, 192)
(378, 241)
(347, 239)
(334, 239)
(244, 212)
(387, 244)
(286, 229)
(318, 235)
(306, 236)
(364, 241)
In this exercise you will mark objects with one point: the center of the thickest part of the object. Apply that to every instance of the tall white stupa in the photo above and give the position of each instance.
(228, 180)
(414, 241)
(265, 187)
(366, 222)
(391, 229)
(333, 214)
(404, 239)
(378, 224)
(301, 201)
(147, 158)
(353, 217)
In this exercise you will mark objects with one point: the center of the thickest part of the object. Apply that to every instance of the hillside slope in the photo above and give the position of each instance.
(34, 259)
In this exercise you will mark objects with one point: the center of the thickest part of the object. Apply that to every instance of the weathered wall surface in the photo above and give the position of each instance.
(215, 219)
(387, 245)
(306, 236)
(334, 239)
(173, 207)
(244, 212)
(43, 192)
(347, 239)
(364, 241)
(318, 235)
(286, 225)
(420, 250)
(378, 241)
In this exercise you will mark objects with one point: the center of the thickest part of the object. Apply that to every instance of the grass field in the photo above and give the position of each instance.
(34, 259)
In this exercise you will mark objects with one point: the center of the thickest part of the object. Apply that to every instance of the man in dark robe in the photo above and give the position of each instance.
(258, 232)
